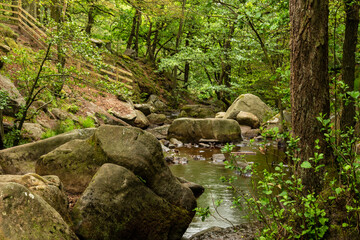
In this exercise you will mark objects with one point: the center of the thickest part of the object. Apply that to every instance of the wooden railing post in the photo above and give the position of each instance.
(19, 11)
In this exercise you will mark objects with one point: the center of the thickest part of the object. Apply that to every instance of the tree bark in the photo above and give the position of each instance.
(132, 33)
(1, 131)
(348, 70)
(91, 20)
(136, 42)
(309, 79)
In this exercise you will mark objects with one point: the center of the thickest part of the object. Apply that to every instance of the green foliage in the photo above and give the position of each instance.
(203, 212)
(69, 125)
(4, 98)
(87, 122)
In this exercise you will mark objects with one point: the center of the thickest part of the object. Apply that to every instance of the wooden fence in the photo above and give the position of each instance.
(13, 11)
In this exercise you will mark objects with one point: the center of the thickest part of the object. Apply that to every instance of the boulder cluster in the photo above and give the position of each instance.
(124, 187)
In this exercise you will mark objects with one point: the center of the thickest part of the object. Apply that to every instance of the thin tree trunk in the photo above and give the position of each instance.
(348, 70)
(132, 33)
(136, 43)
(309, 80)
(148, 41)
(2, 132)
(91, 20)
(177, 43)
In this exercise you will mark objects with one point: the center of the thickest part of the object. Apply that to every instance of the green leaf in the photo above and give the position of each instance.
(338, 190)
(306, 164)
(345, 225)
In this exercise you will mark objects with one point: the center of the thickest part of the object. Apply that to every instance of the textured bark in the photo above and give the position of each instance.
(132, 33)
(91, 20)
(349, 48)
(309, 78)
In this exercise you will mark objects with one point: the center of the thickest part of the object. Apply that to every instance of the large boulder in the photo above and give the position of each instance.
(118, 205)
(25, 215)
(21, 159)
(140, 152)
(191, 130)
(248, 103)
(15, 98)
(47, 187)
(198, 111)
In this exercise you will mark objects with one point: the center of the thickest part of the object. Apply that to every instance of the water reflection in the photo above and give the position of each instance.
(208, 175)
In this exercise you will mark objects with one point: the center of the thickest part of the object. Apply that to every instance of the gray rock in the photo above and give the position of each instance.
(144, 108)
(248, 103)
(141, 120)
(156, 103)
(118, 205)
(76, 162)
(248, 119)
(32, 131)
(157, 119)
(248, 132)
(47, 187)
(62, 115)
(176, 142)
(197, 189)
(198, 111)
(15, 98)
(192, 130)
(25, 215)
(103, 117)
(159, 132)
(21, 159)
(218, 158)
(220, 115)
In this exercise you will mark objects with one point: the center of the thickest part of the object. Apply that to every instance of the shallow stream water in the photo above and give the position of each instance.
(208, 174)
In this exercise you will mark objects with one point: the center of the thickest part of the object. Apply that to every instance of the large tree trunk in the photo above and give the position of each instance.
(309, 79)
(348, 74)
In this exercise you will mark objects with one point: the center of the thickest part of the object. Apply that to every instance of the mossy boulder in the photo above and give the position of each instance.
(118, 205)
(138, 151)
(16, 101)
(157, 119)
(21, 159)
(249, 103)
(198, 111)
(74, 162)
(47, 187)
(191, 130)
(24, 215)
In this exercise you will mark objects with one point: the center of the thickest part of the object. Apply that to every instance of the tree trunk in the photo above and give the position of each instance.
(177, 43)
(309, 79)
(348, 70)
(1, 131)
(224, 78)
(148, 41)
(136, 43)
(132, 33)
(91, 20)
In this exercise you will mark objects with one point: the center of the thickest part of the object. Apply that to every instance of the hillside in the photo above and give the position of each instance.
(86, 99)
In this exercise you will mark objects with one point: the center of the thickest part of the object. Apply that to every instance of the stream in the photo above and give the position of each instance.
(207, 174)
